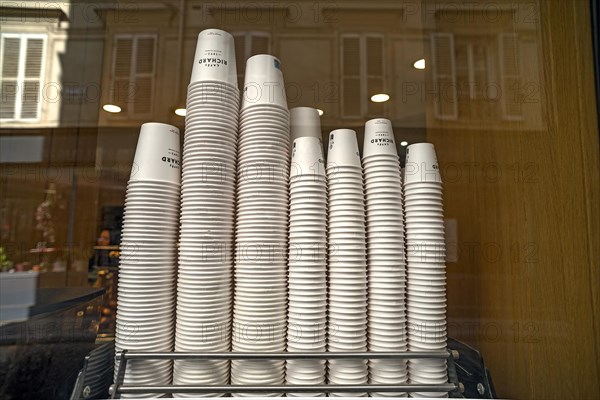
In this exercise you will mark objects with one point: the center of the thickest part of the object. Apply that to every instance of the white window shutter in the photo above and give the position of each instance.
(134, 70)
(510, 77)
(121, 84)
(351, 76)
(444, 76)
(11, 50)
(30, 98)
(22, 58)
(374, 66)
(145, 54)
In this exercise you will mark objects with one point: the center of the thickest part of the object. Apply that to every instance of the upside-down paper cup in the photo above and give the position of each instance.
(421, 164)
(304, 122)
(214, 59)
(343, 149)
(157, 155)
(263, 84)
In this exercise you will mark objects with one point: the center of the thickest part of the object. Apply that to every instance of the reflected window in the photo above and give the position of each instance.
(444, 76)
(473, 78)
(21, 61)
(477, 77)
(362, 70)
(510, 76)
(133, 73)
(248, 44)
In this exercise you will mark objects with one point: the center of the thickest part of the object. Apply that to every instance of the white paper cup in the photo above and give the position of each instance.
(421, 164)
(379, 138)
(307, 158)
(208, 85)
(379, 162)
(157, 155)
(343, 149)
(214, 59)
(304, 122)
(265, 120)
(263, 82)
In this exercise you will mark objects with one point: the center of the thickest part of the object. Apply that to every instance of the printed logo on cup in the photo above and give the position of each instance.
(173, 163)
(382, 141)
(213, 59)
(172, 158)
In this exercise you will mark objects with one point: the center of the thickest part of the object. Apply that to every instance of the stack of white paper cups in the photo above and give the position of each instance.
(204, 297)
(304, 121)
(146, 289)
(385, 250)
(347, 322)
(307, 260)
(260, 300)
(426, 305)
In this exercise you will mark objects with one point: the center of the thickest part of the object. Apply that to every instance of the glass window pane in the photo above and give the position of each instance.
(506, 92)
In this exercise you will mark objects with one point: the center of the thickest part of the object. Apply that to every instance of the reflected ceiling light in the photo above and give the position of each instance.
(320, 112)
(419, 64)
(380, 98)
(111, 108)
(404, 143)
(180, 112)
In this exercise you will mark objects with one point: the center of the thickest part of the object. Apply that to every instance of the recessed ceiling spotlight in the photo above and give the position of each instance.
(404, 143)
(380, 98)
(111, 108)
(419, 64)
(320, 111)
(180, 112)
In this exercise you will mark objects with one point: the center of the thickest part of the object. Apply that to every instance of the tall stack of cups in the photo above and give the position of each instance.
(426, 305)
(307, 260)
(347, 312)
(304, 122)
(260, 300)
(205, 280)
(146, 289)
(385, 249)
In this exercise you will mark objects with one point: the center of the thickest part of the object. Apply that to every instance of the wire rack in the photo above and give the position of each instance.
(452, 387)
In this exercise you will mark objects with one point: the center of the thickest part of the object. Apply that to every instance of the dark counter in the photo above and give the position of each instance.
(40, 357)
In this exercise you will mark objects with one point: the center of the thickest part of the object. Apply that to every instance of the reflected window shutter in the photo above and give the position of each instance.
(260, 45)
(444, 76)
(375, 73)
(351, 82)
(239, 39)
(121, 84)
(11, 51)
(21, 73)
(248, 44)
(143, 90)
(30, 97)
(510, 76)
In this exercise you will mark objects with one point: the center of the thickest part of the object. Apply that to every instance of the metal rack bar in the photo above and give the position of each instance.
(78, 389)
(131, 389)
(453, 387)
(129, 355)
